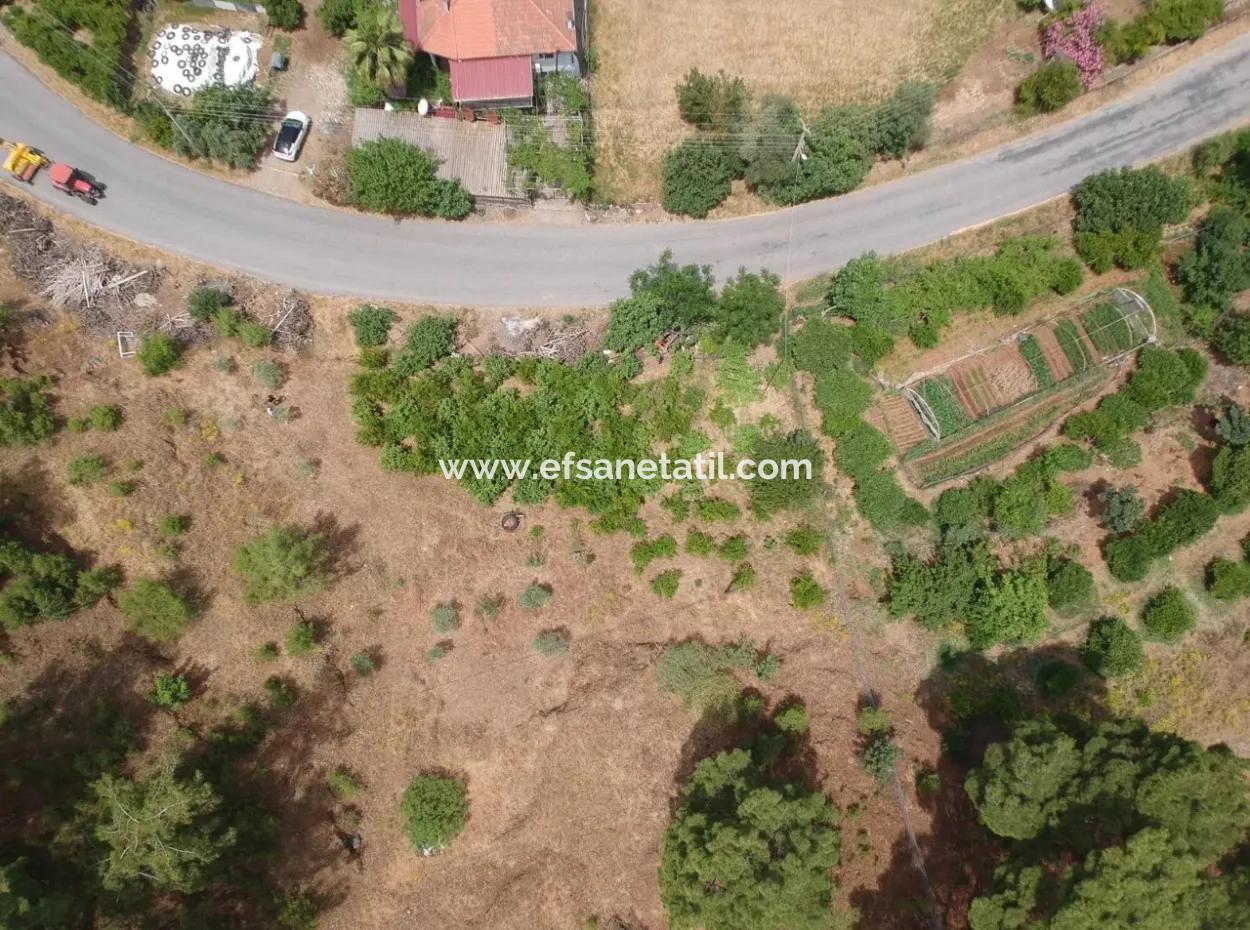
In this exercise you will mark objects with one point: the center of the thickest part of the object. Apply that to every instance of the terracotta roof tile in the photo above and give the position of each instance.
(489, 28)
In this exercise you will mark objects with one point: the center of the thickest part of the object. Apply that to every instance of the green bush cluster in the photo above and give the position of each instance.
(157, 354)
(285, 563)
(1180, 522)
(1112, 648)
(1122, 509)
(645, 552)
(1022, 504)
(1228, 580)
(669, 298)
(371, 324)
(434, 809)
(964, 584)
(1163, 378)
(390, 176)
(1070, 587)
(924, 301)
(36, 586)
(1168, 615)
(533, 151)
(1164, 21)
(780, 156)
(665, 584)
(1051, 87)
(170, 691)
(1120, 215)
(426, 406)
(805, 592)
(84, 41)
(701, 675)
(155, 610)
(224, 124)
(285, 14)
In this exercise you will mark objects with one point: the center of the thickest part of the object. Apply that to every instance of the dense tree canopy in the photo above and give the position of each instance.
(1115, 826)
(748, 852)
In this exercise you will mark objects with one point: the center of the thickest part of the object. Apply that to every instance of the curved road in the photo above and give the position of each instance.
(159, 202)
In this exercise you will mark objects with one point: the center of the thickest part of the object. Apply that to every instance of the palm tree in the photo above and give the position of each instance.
(380, 53)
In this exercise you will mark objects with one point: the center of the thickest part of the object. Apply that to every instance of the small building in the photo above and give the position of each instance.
(494, 48)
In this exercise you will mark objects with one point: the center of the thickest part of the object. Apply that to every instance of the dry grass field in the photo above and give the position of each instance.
(818, 51)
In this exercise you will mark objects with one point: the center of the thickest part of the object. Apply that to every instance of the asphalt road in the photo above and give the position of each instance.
(156, 201)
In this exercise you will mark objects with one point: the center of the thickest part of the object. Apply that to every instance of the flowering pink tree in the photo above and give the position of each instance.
(1073, 38)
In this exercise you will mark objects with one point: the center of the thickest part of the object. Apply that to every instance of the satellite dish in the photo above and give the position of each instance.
(423, 106)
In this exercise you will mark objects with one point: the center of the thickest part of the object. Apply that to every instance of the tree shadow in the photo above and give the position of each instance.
(973, 701)
(341, 543)
(31, 501)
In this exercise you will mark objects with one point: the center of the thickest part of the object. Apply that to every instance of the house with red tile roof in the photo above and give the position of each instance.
(494, 48)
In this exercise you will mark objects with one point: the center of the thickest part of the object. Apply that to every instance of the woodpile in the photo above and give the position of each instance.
(84, 279)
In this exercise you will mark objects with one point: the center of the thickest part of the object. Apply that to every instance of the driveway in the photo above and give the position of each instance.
(477, 263)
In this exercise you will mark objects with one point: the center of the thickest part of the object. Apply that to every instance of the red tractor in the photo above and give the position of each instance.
(75, 183)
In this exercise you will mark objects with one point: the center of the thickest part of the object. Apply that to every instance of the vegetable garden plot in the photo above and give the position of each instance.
(978, 407)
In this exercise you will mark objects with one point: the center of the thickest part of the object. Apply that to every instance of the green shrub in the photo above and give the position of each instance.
(1231, 338)
(552, 642)
(644, 553)
(1070, 588)
(696, 177)
(1122, 509)
(1230, 479)
(445, 618)
(535, 596)
(792, 719)
(170, 691)
(390, 176)
(255, 335)
(717, 103)
(735, 548)
(84, 42)
(427, 341)
(665, 584)
(1232, 425)
(700, 675)
(1128, 558)
(884, 504)
(269, 373)
(750, 308)
(879, 757)
(219, 123)
(301, 639)
(699, 543)
(154, 610)
(173, 526)
(205, 302)
(770, 496)
(821, 346)
(25, 411)
(1051, 87)
(157, 353)
(1168, 615)
(743, 578)
(804, 540)
(281, 693)
(267, 652)
(362, 664)
(716, 510)
(434, 810)
(873, 721)
(285, 14)
(1228, 580)
(105, 417)
(343, 784)
(1120, 215)
(120, 488)
(805, 592)
(1112, 649)
(861, 450)
(86, 469)
(372, 324)
(1218, 266)
(664, 298)
(1183, 20)
(285, 563)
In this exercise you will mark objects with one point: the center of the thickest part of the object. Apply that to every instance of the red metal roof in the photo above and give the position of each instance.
(487, 79)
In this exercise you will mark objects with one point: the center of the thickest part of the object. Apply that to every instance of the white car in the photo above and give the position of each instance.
(291, 135)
